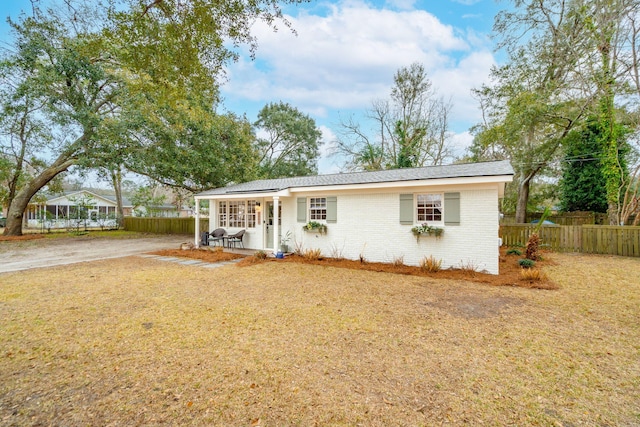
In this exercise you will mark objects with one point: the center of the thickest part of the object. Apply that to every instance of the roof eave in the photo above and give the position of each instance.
(430, 182)
(244, 194)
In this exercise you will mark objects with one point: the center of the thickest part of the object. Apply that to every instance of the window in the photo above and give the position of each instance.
(251, 213)
(237, 213)
(429, 207)
(317, 208)
(222, 214)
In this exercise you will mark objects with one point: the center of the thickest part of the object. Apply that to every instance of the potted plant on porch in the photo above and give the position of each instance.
(284, 242)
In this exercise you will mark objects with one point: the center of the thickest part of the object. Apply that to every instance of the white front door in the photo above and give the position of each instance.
(269, 224)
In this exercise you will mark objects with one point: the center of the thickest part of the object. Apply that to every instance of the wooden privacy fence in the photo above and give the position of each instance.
(563, 218)
(164, 225)
(591, 239)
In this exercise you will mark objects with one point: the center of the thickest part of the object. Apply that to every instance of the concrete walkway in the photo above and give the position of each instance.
(190, 262)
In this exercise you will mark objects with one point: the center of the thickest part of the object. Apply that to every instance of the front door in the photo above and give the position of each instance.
(269, 224)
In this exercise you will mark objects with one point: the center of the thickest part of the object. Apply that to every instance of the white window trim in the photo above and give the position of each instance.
(415, 208)
(309, 210)
(245, 213)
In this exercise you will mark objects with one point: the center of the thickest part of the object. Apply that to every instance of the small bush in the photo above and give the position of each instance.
(526, 263)
(312, 254)
(363, 259)
(514, 251)
(532, 275)
(430, 264)
(469, 268)
(217, 249)
(336, 252)
(260, 255)
(298, 249)
(398, 261)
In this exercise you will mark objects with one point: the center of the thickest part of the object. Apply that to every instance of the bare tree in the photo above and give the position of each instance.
(410, 129)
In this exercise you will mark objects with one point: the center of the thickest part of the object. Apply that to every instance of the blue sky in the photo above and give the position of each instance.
(346, 53)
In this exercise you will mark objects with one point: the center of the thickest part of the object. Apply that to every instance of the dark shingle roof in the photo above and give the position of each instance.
(497, 168)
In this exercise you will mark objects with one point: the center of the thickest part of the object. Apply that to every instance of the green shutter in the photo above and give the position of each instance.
(302, 209)
(451, 208)
(332, 209)
(406, 209)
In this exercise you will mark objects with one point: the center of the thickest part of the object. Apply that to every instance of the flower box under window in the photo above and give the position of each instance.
(427, 230)
(315, 227)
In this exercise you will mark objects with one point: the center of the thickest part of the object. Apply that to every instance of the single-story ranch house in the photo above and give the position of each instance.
(60, 211)
(372, 214)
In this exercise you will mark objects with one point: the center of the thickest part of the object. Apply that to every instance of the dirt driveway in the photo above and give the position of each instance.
(52, 252)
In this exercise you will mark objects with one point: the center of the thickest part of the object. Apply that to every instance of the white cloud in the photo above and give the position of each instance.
(328, 137)
(456, 83)
(345, 57)
(460, 142)
(328, 163)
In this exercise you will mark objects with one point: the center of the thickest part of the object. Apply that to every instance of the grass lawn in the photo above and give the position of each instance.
(134, 341)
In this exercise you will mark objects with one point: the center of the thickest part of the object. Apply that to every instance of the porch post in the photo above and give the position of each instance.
(276, 220)
(213, 216)
(197, 213)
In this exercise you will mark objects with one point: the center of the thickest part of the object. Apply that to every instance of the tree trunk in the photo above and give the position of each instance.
(523, 200)
(116, 180)
(21, 200)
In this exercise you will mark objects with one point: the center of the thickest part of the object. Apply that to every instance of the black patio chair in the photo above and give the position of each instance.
(234, 239)
(217, 235)
(204, 238)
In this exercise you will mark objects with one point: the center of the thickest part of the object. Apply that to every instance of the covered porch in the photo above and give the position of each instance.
(260, 217)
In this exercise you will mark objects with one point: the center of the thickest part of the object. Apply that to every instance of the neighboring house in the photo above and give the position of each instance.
(62, 211)
(371, 214)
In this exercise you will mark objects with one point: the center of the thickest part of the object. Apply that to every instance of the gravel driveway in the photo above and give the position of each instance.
(47, 253)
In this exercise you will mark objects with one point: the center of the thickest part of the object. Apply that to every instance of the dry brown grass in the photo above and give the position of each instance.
(21, 238)
(138, 342)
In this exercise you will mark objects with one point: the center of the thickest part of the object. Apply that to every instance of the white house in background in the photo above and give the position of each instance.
(61, 211)
(371, 214)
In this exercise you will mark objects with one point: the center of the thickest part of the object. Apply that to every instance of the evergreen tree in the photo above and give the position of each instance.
(583, 186)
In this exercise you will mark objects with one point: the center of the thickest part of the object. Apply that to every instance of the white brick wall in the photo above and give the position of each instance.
(368, 225)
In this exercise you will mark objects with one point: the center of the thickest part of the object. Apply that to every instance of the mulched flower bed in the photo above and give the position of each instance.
(510, 270)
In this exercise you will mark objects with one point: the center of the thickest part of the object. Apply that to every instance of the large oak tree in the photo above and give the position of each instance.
(123, 82)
